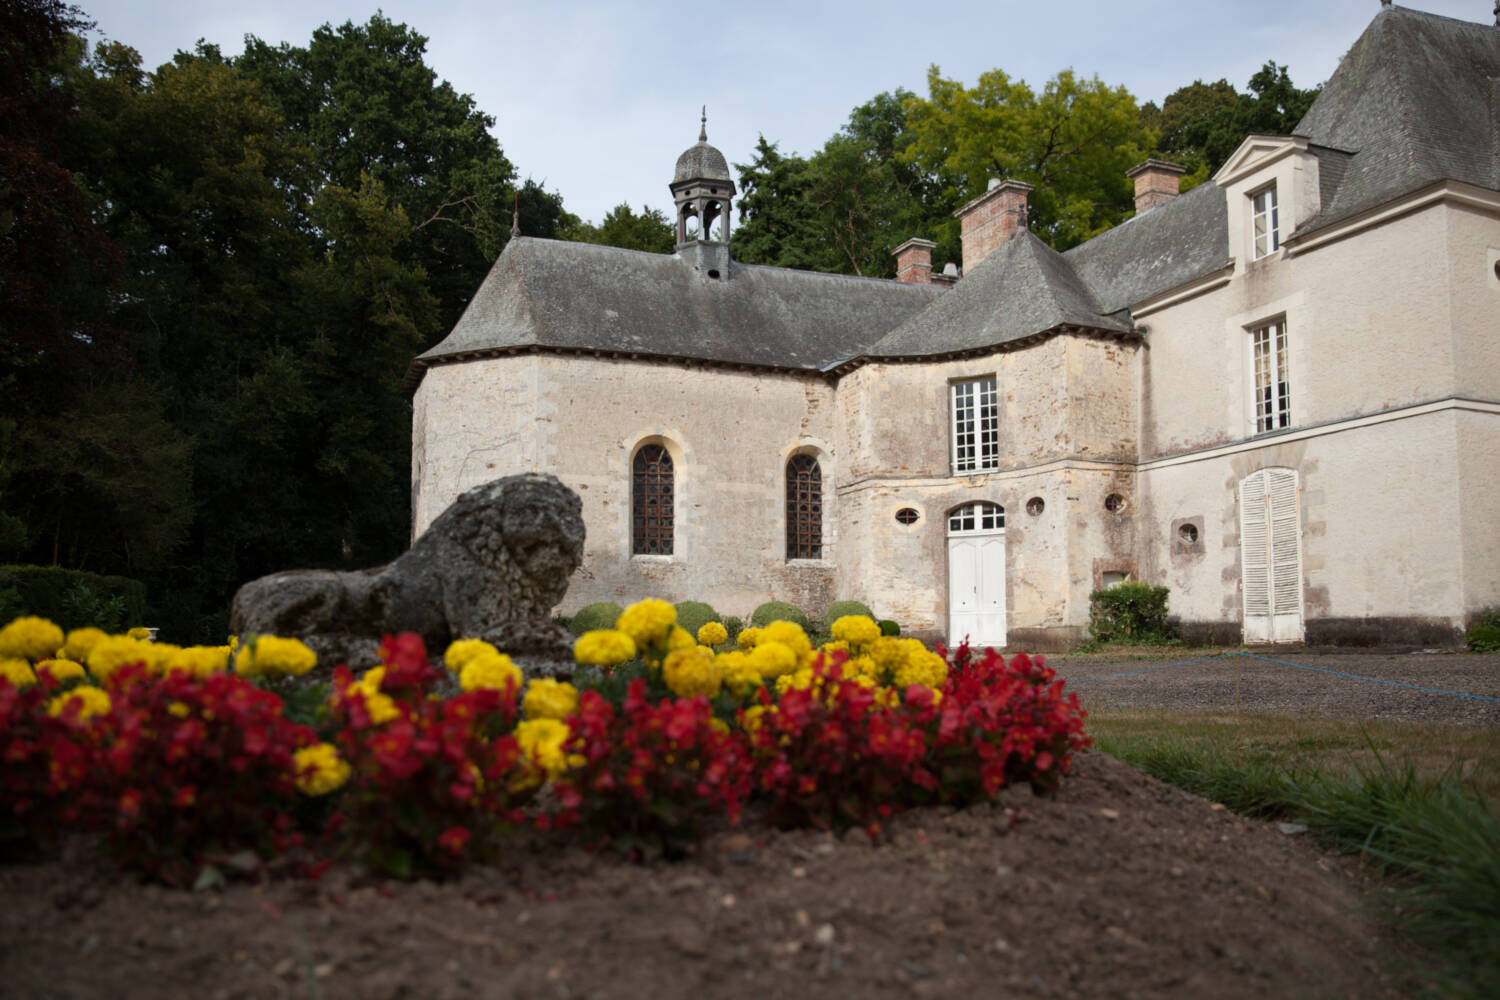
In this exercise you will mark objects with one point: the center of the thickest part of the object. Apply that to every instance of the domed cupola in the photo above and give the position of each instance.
(704, 195)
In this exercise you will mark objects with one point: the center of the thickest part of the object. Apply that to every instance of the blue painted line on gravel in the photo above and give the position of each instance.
(1376, 680)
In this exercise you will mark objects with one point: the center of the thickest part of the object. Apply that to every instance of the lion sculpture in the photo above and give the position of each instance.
(492, 566)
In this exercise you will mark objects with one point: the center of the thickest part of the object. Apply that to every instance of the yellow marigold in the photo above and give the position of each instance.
(790, 635)
(382, 707)
(863, 666)
(771, 660)
(17, 671)
(92, 701)
(887, 697)
(755, 716)
(680, 638)
(748, 638)
(60, 669)
(179, 709)
(159, 654)
(490, 671)
(647, 621)
(139, 632)
(549, 699)
(30, 638)
(320, 769)
(858, 631)
(462, 651)
(927, 668)
(199, 661)
(739, 675)
(713, 633)
(80, 641)
(113, 652)
(797, 680)
(689, 672)
(604, 647)
(542, 741)
(272, 656)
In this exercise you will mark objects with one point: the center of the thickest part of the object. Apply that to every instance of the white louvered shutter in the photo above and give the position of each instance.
(1271, 556)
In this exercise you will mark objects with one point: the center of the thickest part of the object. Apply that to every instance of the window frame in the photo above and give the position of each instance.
(660, 540)
(1271, 400)
(804, 507)
(1264, 206)
(974, 447)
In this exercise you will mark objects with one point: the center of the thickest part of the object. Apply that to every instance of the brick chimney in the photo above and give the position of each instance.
(1156, 183)
(991, 219)
(914, 261)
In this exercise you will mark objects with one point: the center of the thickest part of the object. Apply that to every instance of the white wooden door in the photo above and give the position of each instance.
(976, 575)
(1271, 556)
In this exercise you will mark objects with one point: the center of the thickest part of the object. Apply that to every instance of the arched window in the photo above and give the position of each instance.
(804, 508)
(651, 502)
(978, 516)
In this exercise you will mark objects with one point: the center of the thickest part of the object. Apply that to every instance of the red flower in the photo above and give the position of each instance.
(454, 839)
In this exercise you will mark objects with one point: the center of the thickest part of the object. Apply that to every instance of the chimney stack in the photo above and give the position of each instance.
(914, 261)
(991, 219)
(1156, 183)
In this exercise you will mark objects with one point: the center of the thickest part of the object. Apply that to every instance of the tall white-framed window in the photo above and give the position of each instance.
(1271, 371)
(1265, 223)
(976, 426)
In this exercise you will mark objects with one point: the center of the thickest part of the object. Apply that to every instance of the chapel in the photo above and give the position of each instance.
(1277, 393)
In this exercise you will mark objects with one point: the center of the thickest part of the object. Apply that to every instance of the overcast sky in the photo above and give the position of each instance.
(596, 100)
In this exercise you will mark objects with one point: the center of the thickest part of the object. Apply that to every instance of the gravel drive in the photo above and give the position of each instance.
(1271, 681)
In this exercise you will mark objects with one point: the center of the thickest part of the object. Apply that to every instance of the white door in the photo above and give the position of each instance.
(1271, 556)
(976, 575)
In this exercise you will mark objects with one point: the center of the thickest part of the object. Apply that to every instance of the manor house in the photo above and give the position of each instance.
(1277, 394)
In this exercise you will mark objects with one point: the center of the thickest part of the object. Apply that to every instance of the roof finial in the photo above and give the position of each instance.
(703, 128)
(515, 216)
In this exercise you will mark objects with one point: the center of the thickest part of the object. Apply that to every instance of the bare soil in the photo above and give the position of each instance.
(1119, 886)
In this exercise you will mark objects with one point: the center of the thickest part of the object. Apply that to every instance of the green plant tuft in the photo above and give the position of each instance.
(602, 614)
(1484, 637)
(693, 615)
(888, 627)
(777, 611)
(839, 609)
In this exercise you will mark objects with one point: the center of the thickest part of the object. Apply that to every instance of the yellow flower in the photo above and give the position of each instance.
(604, 647)
(113, 652)
(80, 641)
(796, 680)
(158, 655)
(542, 741)
(382, 707)
(713, 633)
(771, 660)
(320, 769)
(740, 676)
(680, 638)
(92, 701)
(647, 621)
(179, 710)
(688, 672)
(139, 632)
(748, 638)
(549, 699)
(925, 668)
(790, 635)
(199, 661)
(30, 638)
(492, 671)
(17, 671)
(462, 651)
(858, 631)
(755, 717)
(271, 656)
(59, 669)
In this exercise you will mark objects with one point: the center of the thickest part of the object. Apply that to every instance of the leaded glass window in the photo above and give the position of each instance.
(804, 508)
(651, 502)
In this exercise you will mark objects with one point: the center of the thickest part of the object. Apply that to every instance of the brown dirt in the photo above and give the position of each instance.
(1120, 886)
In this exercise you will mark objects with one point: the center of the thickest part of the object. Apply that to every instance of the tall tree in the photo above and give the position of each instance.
(1073, 142)
(776, 225)
(622, 227)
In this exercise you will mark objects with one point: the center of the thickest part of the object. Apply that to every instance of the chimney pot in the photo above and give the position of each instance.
(991, 219)
(1156, 183)
(914, 261)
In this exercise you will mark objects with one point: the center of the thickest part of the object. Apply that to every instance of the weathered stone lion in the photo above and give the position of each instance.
(492, 566)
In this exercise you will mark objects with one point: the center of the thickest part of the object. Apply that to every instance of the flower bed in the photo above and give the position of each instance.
(187, 757)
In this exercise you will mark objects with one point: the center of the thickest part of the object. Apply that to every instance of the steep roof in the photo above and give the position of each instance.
(1022, 288)
(553, 294)
(1414, 102)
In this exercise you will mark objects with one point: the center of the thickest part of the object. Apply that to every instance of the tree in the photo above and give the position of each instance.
(650, 230)
(1201, 124)
(1073, 142)
(776, 225)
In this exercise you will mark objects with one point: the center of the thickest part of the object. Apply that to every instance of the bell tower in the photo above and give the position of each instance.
(703, 193)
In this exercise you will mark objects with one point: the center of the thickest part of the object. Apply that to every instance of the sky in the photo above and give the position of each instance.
(596, 100)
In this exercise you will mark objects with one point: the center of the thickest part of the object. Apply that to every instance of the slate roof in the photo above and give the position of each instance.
(1413, 102)
(554, 294)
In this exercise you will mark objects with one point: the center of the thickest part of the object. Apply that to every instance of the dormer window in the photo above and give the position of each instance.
(1265, 225)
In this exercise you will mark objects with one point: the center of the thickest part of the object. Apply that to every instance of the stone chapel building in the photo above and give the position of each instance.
(1278, 393)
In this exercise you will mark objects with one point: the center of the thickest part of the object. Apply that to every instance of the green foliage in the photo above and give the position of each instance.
(1484, 637)
(888, 627)
(693, 615)
(839, 609)
(72, 598)
(774, 611)
(650, 231)
(734, 625)
(1132, 612)
(600, 615)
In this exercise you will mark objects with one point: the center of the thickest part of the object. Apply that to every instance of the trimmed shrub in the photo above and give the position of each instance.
(602, 614)
(734, 625)
(73, 598)
(888, 627)
(1130, 612)
(693, 615)
(1484, 637)
(841, 609)
(777, 611)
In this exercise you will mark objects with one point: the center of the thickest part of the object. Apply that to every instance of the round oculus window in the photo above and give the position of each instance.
(1035, 506)
(908, 516)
